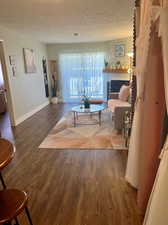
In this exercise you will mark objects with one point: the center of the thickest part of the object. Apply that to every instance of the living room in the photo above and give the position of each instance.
(74, 113)
(95, 53)
(97, 71)
(36, 61)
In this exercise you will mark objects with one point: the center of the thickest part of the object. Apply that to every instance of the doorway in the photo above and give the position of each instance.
(6, 115)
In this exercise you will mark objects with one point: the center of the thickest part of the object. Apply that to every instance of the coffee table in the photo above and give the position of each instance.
(94, 109)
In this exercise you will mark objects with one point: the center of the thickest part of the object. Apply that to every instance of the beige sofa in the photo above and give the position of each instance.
(118, 109)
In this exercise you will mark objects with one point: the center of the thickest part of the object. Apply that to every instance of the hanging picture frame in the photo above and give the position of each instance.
(12, 60)
(29, 59)
(14, 71)
(120, 50)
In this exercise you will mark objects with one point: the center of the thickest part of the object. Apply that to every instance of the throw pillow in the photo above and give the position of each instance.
(124, 93)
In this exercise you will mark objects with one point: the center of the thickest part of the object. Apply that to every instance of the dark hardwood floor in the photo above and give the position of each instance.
(69, 187)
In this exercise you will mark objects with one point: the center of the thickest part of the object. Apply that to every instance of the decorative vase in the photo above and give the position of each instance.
(118, 65)
(54, 100)
(86, 104)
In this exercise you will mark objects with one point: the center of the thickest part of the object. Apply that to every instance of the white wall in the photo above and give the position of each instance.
(27, 90)
(108, 47)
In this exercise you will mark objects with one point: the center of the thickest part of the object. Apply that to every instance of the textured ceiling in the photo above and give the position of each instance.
(55, 21)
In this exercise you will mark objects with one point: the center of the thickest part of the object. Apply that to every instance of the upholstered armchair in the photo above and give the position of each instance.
(118, 109)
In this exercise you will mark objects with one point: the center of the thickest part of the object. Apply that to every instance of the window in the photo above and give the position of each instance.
(82, 73)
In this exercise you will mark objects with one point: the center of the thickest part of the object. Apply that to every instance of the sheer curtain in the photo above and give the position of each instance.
(82, 73)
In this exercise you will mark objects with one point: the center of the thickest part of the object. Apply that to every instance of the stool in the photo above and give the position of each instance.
(7, 151)
(12, 203)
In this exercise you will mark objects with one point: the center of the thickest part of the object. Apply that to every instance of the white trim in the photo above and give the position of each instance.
(31, 113)
(10, 106)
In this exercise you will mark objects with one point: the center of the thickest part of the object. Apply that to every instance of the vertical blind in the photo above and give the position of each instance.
(81, 73)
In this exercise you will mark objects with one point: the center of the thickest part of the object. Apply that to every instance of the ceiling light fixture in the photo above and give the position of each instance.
(76, 34)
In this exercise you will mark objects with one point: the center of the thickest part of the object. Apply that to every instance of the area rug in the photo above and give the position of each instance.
(93, 137)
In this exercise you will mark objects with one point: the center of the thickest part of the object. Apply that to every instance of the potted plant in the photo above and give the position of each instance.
(105, 63)
(118, 65)
(86, 102)
(54, 90)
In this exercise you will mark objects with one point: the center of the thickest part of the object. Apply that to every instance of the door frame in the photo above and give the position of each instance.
(7, 85)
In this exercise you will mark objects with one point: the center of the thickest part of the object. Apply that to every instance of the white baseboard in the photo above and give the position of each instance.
(31, 113)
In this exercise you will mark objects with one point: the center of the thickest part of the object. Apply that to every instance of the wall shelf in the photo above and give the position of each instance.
(107, 70)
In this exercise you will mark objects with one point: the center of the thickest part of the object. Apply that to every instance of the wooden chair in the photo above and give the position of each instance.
(12, 203)
(7, 151)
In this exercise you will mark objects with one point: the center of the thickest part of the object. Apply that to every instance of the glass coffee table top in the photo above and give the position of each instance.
(92, 109)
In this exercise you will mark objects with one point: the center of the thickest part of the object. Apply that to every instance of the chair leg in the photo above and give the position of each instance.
(2, 180)
(16, 221)
(28, 216)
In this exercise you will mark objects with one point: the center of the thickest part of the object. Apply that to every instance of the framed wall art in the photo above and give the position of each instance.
(29, 59)
(12, 60)
(14, 71)
(120, 50)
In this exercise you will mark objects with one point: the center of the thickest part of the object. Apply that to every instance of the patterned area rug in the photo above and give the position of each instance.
(86, 135)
